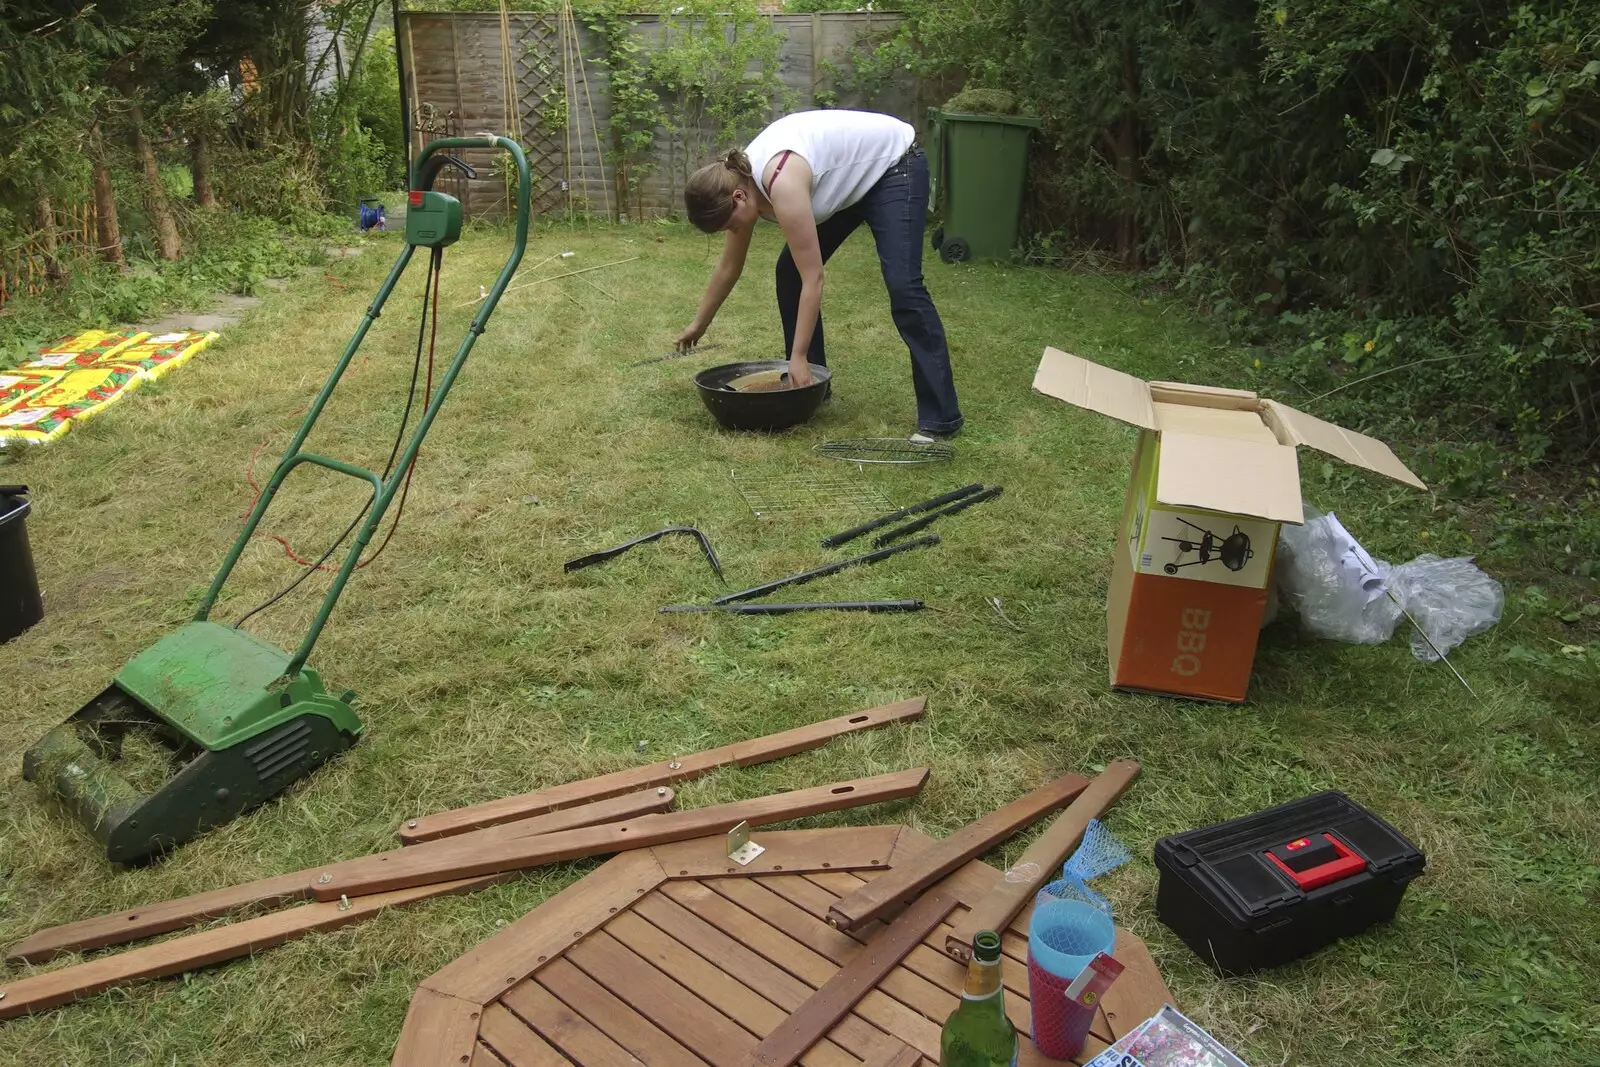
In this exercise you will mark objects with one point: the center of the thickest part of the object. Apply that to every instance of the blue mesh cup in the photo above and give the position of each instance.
(1066, 933)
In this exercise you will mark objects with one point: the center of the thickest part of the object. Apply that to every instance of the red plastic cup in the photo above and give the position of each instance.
(1060, 1026)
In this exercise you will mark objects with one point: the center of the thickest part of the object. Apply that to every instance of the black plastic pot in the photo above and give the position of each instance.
(20, 603)
(765, 410)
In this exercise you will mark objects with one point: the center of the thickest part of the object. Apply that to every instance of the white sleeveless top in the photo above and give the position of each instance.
(848, 152)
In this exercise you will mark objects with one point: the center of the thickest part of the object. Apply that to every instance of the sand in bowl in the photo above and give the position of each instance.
(763, 381)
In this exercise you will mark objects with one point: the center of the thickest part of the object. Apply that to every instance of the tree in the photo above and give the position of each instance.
(148, 70)
(48, 94)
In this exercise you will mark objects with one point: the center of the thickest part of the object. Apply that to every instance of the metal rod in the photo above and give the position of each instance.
(785, 609)
(927, 520)
(605, 554)
(822, 572)
(572, 273)
(1442, 657)
(876, 524)
(678, 354)
(530, 270)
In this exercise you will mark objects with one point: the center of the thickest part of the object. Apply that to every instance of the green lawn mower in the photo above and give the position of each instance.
(243, 719)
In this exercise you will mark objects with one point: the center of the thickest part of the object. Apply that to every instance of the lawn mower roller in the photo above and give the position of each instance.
(242, 718)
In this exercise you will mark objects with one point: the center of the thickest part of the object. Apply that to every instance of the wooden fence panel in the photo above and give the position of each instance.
(454, 70)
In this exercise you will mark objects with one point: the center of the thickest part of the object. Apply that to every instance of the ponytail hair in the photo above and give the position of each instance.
(708, 195)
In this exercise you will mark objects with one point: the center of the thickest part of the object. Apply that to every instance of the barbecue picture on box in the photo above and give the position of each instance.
(1207, 547)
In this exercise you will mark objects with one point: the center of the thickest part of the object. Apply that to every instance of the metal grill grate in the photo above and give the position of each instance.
(784, 495)
(885, 450)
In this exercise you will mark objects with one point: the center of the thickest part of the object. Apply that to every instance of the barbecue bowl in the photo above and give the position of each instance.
(749, 396)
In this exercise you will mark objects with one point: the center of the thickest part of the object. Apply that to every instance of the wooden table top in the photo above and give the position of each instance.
(678, 957)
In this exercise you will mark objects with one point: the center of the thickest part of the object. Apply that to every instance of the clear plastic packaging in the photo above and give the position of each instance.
(1451, 599)
(1320, 581)
(1343, 593)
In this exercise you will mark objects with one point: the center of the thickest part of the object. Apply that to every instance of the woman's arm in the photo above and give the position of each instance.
(791, 202)
(735, 246)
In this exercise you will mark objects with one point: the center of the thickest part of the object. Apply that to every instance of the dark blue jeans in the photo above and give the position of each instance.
(894, 210)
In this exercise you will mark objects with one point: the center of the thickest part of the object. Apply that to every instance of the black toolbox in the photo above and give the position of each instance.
(1271, 887)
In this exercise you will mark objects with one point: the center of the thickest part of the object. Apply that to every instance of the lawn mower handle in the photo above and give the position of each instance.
(423, 172)
(384, 487)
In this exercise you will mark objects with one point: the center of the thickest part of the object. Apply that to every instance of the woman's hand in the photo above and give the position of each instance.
(691, 336)
(799, 372)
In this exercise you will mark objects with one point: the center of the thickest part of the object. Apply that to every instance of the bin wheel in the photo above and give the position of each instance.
(954, 250)
(938, 238)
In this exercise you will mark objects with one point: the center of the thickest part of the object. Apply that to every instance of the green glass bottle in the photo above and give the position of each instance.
(978, 1034)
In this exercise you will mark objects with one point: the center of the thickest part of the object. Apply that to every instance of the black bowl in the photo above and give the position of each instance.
(774, 409)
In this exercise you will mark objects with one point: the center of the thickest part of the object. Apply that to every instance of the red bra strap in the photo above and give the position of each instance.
(778, 169)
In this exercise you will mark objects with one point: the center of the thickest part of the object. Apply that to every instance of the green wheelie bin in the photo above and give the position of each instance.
(978, 164)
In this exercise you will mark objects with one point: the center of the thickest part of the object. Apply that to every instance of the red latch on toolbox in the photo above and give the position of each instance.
(1315, 861)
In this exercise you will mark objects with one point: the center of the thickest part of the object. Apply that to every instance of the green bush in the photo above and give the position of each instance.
(357, 166)
(376, 102)
(1407, 192)
(272, 182)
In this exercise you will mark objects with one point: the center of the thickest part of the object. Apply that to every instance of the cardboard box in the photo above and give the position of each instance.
(1215, 474)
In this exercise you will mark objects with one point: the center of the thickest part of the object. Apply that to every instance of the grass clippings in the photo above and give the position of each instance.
(483, 670)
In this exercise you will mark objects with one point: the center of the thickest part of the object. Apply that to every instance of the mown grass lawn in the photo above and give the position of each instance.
(483, 670)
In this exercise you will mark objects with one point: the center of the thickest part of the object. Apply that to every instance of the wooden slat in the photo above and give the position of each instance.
(159, 918)
(449, 859)
(926, 959)
(1139, 992)
(836, 945)
(816, 900)
(512, 1041)
(439, 1031)
(975, 878)
(817, 1016)
(971, 883)
(902, 883)
(929, 961)
(800, 960)
(1046, 855)
(1028, 1055)
(168, 915)
(621, 1023)
(1012, 944)
(904, 1056)
(679, 769)
(673, 1007)
(841, 848)
(483, 1056)
(497, 964)
(713, 984)
(713, 909)
(601, 812)
(920, 995)
(42, 991)
(749, 970)
(564, 1028)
